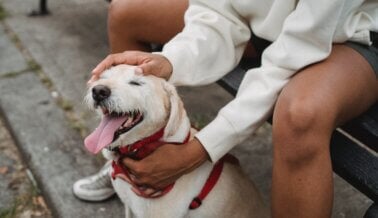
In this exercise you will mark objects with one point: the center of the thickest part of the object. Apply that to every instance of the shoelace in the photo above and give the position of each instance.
(100, 180)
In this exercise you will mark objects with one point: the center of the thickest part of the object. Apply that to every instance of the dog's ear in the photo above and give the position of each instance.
(178, 125)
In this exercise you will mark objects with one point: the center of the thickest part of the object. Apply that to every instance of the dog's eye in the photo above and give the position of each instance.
(135, 83)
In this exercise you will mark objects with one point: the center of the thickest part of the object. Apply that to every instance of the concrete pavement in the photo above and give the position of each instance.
(19, 195)
(44, 65)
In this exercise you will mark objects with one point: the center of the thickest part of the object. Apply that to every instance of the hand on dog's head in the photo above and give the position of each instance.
(133, 107)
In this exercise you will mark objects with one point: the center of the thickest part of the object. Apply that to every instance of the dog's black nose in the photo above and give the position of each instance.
(100, 93)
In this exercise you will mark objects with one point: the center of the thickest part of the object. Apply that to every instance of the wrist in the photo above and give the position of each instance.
(194, 154)
(165, 68)
(168, 69)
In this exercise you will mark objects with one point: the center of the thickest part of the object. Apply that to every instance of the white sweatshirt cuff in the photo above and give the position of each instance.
(218, 137)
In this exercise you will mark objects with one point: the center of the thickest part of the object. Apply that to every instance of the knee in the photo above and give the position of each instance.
(123, 13)
(298, 129)
(299, 114)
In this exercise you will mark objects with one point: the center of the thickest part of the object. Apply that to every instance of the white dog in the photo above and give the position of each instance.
(136, 107)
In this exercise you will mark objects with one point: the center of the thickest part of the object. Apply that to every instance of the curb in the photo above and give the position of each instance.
(50, 147)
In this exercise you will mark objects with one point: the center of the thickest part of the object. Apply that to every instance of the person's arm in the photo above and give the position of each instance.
(210, 45)
(306, 38)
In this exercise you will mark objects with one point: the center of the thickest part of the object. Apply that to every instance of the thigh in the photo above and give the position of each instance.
(151, 20)
(342, 86)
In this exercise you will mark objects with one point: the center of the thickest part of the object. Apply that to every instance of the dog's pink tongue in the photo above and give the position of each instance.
(103, 134)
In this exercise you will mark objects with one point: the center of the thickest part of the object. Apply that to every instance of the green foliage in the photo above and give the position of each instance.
(3, 15)
(33, 65)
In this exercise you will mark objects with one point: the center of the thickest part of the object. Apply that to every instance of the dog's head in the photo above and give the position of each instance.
(134, 107)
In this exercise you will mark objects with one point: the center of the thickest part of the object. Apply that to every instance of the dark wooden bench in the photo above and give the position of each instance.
(354, 146)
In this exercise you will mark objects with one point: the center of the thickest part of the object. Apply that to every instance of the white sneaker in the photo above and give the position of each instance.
(97, 187)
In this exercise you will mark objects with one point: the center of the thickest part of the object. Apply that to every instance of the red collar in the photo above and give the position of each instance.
(140, 150)
(146, 146)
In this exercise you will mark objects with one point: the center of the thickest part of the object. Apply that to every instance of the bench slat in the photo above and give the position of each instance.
(365, 128)
(232, 80)
(372, 212)
(355, 164)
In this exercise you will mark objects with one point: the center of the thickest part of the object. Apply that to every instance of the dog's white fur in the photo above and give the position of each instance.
(233, 196)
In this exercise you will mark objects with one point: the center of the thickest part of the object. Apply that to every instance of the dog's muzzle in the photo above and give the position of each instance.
(100, 93)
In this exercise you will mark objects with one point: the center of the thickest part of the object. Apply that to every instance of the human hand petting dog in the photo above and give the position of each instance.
(163, 167)
(148, 63)
(169, 162)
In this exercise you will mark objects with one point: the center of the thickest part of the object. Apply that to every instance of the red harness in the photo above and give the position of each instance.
(212, 180)
(138, 151)
(146, 146)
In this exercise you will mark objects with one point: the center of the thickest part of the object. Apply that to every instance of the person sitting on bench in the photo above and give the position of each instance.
(318, 70)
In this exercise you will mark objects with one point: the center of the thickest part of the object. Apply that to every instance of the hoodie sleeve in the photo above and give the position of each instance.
(306, 38)
(210, 45)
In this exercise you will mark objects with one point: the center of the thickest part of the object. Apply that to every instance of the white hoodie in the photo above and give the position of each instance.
(217, 31)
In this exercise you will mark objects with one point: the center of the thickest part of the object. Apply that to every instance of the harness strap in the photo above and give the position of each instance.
(212, 180)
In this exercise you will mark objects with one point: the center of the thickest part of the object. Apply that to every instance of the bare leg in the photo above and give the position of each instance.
(133, 24)
(315, 101)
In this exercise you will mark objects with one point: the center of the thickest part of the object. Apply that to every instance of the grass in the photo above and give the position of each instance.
(3, 13)
(64, 104)
(34, 66)
(25, 201)
(78, 125)
(9, 212)
(13, 74)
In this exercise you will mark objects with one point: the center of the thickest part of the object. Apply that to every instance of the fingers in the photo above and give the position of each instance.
(143, 190)
(92, 79)
(156, 171)
(135, 172)
(157, 65)
(147, 63)
(129, 57)
(124, 177)
(139, 175)
(103, 65)
(109, 61)
(138, 71)
(147, 193)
